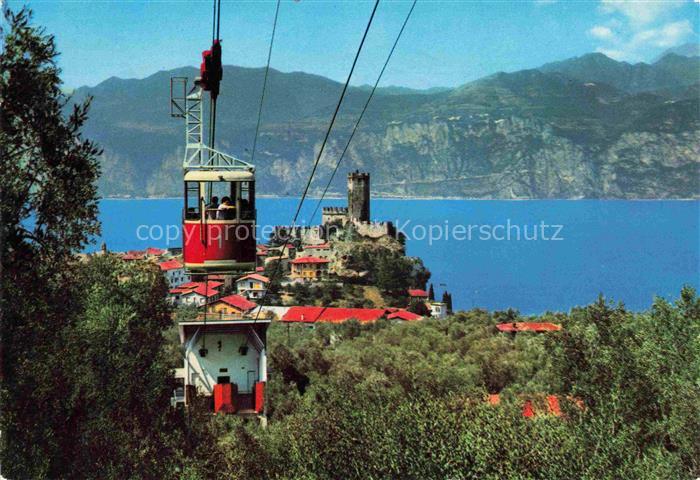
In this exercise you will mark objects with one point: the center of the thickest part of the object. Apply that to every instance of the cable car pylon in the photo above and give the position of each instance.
(219, 215)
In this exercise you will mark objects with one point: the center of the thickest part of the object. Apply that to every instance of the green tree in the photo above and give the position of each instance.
(447, 300)
(48, 211)
(393, 273)
(117, 400)
(639, 372)
(419, 308)
(84, 389)
(431, 293)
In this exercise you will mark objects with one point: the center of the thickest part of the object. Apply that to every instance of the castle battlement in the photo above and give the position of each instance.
(335, 210)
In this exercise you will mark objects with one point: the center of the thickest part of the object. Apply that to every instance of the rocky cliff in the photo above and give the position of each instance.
(588, 127)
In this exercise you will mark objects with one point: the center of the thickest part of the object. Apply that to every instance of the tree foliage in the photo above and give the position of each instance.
(84, 383)
(48, 211)
(408, 400)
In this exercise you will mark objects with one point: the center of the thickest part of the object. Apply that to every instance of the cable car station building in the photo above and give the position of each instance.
(225, 366)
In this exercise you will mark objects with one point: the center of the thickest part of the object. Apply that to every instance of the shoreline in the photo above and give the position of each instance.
(471, 199)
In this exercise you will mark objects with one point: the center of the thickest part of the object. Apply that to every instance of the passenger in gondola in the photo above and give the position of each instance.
(213, 207)
(225, 211)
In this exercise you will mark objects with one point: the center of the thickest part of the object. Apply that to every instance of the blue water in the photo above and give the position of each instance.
(627, 250)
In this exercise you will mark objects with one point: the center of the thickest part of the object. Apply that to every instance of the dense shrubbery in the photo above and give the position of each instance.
(408, 400)
(386, 267)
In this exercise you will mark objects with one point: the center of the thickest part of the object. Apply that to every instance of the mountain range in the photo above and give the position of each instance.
(586, 127)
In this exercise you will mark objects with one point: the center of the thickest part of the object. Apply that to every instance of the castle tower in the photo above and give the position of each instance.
(358, 196)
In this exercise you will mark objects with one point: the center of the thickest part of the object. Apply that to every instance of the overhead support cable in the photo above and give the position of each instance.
(218, 19)
(267, 70)
(215, 26)
(362, 113)
(320, 152)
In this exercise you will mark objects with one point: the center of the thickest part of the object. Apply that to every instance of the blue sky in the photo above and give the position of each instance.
(446, 43)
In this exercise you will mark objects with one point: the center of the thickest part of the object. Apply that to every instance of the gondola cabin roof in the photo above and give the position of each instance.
(219, 176)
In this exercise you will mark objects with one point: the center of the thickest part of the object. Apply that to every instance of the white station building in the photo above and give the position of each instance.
(226, 361)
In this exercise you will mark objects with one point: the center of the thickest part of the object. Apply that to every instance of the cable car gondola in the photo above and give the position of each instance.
(219, 220)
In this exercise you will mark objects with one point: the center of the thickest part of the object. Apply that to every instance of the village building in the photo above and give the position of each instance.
(309, 268)
(322, 250)
(417, 294)
(404, 315)
(312, 315)
(174, 272)
(179, 294)
(226, 280)
(132, 255)
(437, 309)
(198, 296)
(286, 250)
(252, 286)
(208, 283)
(155, 252)
(230, 305)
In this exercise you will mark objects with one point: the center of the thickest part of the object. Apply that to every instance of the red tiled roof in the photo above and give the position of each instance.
(553, 405)
(300, 260)
(528, 327)
(302, 314)
(404, 315)
(259, 269)
(416, 292)
(321, 246)
(217, 277)
(202, 290)
(332, 315)
(134, 255)
(155, 251)
(261, 246)
(170, 265)
(532, 406)
(177, 291)
(239, 302)
(210, 284)
(254, 276)
(362, 315)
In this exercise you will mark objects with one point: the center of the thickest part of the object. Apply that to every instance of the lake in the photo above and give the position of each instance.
(534, 255)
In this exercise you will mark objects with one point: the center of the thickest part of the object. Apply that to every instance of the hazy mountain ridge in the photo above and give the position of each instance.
(587, 127)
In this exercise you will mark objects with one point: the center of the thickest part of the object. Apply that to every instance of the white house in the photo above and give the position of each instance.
(180, 295)
(438, 309)
(174, 272)
(227, 360)
(198, 296)
(322, 250)
(252, 286)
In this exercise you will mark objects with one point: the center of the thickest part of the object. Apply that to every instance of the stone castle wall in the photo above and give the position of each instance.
(374, 229)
